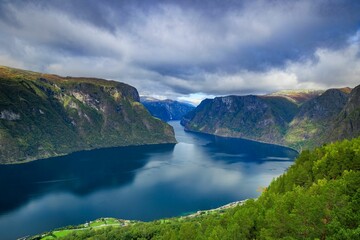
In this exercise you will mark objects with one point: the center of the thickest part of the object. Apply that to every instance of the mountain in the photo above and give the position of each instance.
(261, 118)
(166, 109)
(44, 115)
(296, 119)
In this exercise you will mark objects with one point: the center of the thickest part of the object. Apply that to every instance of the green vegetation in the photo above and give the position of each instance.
(252, 117)
(299, 119)
(316, 120)
(93, 225)
(317, 198)
(44, 115)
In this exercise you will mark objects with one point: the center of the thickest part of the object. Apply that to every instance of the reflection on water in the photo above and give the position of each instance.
(79, 173)
(144, 183)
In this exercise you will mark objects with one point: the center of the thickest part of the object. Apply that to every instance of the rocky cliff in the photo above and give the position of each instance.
(347, 123)
(43, 115)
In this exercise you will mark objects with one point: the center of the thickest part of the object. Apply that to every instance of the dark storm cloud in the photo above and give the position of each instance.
(183, 47)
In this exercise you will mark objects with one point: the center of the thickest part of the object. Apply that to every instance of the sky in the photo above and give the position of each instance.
(188, 49)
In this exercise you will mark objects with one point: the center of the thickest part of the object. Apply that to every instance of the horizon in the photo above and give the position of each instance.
(197, 98)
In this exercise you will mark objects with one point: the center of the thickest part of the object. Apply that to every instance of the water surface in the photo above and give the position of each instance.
(142, 183)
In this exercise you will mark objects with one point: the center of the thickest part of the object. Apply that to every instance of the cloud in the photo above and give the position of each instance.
(331, 68)
(178, 49)
(328, 69)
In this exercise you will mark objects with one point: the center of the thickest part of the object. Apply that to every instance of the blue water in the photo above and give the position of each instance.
(142, 183)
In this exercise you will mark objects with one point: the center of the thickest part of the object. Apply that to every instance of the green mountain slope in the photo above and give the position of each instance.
(262, 118)
(317, 198)
(44, 115)
(311, 124)
(300, 120)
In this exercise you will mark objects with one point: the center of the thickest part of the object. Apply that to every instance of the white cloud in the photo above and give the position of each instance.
(332, 68)
(194, 98)
(181, 52)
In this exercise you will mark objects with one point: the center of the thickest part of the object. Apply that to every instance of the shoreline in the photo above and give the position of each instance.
(244, 138)
(126, 222)
(28, 160)
(223, 207)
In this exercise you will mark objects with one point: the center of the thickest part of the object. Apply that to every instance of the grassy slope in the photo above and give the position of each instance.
(317, 198)
(298, 96)
(44, 115)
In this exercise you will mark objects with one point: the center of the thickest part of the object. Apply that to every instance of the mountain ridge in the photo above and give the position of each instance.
(299, 96)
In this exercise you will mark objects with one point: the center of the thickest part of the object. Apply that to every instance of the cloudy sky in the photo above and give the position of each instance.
(188, 49)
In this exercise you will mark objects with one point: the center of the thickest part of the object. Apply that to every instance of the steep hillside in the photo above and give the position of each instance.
(166, 109)
(347, 123)
(299, 121)
(262, 118)
(315, 118)
(317, 198)
(44, 115)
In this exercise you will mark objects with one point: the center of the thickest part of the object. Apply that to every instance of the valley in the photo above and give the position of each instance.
(180, 120)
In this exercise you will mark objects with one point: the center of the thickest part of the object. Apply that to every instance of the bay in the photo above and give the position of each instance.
(141, 183)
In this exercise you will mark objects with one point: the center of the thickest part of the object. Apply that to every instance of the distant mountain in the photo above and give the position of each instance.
(292, 118)
(43, 115)
(166, 109)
